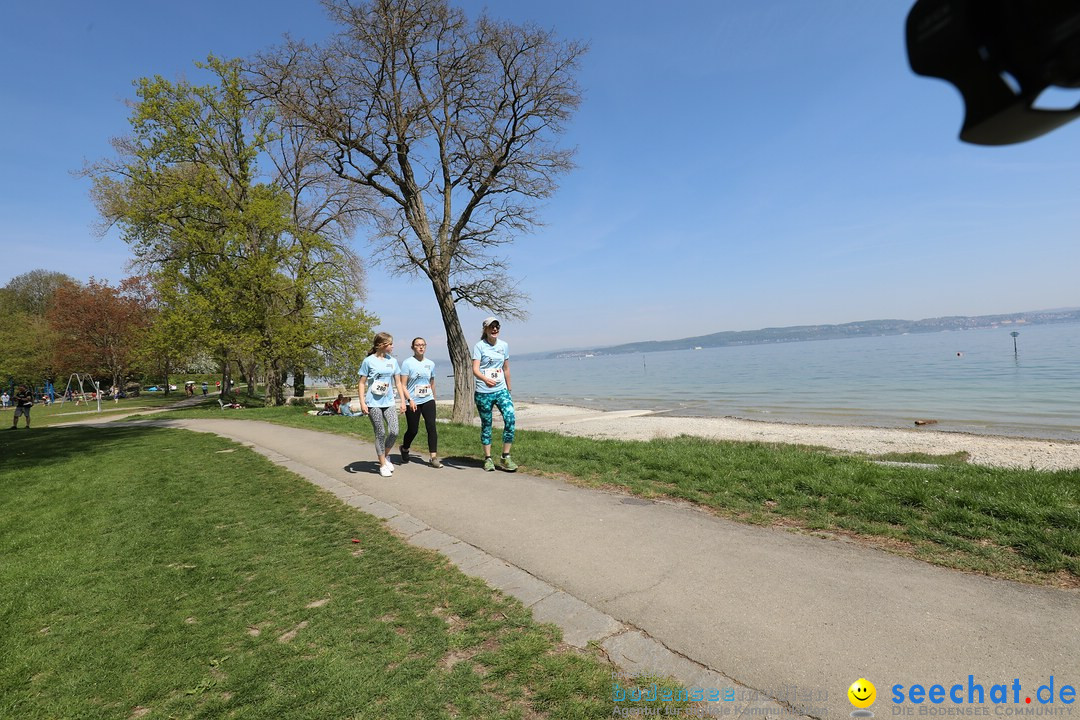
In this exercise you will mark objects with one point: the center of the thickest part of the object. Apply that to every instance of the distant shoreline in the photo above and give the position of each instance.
(844, 331)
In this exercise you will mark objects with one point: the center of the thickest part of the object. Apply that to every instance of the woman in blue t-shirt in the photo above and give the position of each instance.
(491, 368)
(418, 373)
(380, 382)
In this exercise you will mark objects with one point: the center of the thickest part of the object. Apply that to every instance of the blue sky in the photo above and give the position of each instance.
(740, 165)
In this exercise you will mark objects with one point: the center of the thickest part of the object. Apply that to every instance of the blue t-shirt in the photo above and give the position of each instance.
(421, 376)
(491, 359)
(380, 374)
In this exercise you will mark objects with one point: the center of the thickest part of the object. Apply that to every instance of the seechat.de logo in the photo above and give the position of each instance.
(862, 695)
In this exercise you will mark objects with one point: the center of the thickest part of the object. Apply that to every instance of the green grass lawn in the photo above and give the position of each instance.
(1016, 524)
(166, 574)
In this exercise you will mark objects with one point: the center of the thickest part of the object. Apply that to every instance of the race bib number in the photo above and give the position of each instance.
(379, 387)
(494, 374)
(422, 391)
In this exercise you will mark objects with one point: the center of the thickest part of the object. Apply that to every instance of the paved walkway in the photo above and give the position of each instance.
(665, 587)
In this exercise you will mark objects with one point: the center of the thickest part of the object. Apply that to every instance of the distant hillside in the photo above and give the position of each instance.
(829, 332)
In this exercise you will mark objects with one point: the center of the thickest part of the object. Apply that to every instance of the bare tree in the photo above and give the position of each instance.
(452, 124)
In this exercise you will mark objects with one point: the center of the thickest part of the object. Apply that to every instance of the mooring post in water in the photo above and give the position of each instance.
(1014, 336)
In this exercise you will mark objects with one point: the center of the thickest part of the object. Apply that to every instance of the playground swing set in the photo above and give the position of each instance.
(76, 390)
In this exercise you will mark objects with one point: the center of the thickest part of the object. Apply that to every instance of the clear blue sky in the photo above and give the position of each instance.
(740, 165)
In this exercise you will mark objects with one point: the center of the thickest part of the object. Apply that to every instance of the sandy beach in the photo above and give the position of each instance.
(989, 450)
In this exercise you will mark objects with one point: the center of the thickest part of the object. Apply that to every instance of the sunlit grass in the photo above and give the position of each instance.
(173, 574)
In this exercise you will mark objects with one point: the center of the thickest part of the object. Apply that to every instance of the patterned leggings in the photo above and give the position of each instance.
(385, 422)
(484, 402)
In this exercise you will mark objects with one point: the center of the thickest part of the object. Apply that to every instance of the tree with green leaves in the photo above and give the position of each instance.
(451, 124)
(32, 291)
(220, 240)
(26, 343)
(169, 341)
(325, 212)
(26, 340)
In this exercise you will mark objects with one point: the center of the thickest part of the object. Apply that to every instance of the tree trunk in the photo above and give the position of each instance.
(460, 357)
(166, 368)
(226, 378)
(298, 381)
(251, 371)
(275, 383)
(271, 380)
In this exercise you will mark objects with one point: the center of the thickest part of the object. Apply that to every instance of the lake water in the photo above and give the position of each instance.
(879, 381)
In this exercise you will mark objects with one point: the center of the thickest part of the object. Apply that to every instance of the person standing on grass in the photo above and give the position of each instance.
(24, 400)
(5, 399)
(419, 374)
(491, 368)
(380, 383)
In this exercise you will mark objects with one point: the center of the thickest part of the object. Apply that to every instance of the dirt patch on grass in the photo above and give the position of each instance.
(452, 658)
(454, 623)
(291, 635)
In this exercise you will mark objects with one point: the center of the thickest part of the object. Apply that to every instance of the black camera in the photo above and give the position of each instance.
(1001, 55)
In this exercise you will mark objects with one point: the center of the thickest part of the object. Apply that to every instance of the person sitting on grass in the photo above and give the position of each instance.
(346, 408)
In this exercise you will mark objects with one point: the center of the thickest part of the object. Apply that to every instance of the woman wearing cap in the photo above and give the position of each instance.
(380, 382)
(418, 374)
(491, 368)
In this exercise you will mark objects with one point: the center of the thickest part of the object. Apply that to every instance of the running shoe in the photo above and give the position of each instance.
(435, 463)
(389, 466)
(508, 465)
(385, 471)
(404, 456)
(489, 465)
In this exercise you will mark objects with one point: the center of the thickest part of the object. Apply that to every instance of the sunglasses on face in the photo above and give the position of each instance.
(493, 328)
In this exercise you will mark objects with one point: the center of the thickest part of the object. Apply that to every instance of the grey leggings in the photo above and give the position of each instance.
(385, 422)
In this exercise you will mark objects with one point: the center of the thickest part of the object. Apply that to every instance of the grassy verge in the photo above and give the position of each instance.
(44, 415)
(1015, 524)
(165, 574)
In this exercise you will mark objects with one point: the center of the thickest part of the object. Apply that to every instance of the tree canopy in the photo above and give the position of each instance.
(451, 124)
(260, 258)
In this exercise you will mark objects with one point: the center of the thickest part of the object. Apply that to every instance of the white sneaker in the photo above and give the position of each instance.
(385, 471)
(389, 465)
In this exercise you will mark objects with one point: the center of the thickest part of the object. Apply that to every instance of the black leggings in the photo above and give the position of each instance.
(412, 417)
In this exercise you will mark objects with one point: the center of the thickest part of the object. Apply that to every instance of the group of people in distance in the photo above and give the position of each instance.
(386, 388)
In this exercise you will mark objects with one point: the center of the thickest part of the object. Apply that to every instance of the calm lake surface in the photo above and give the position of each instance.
(878, 381)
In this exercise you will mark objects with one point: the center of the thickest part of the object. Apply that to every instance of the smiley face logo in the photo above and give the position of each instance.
(862, 693)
